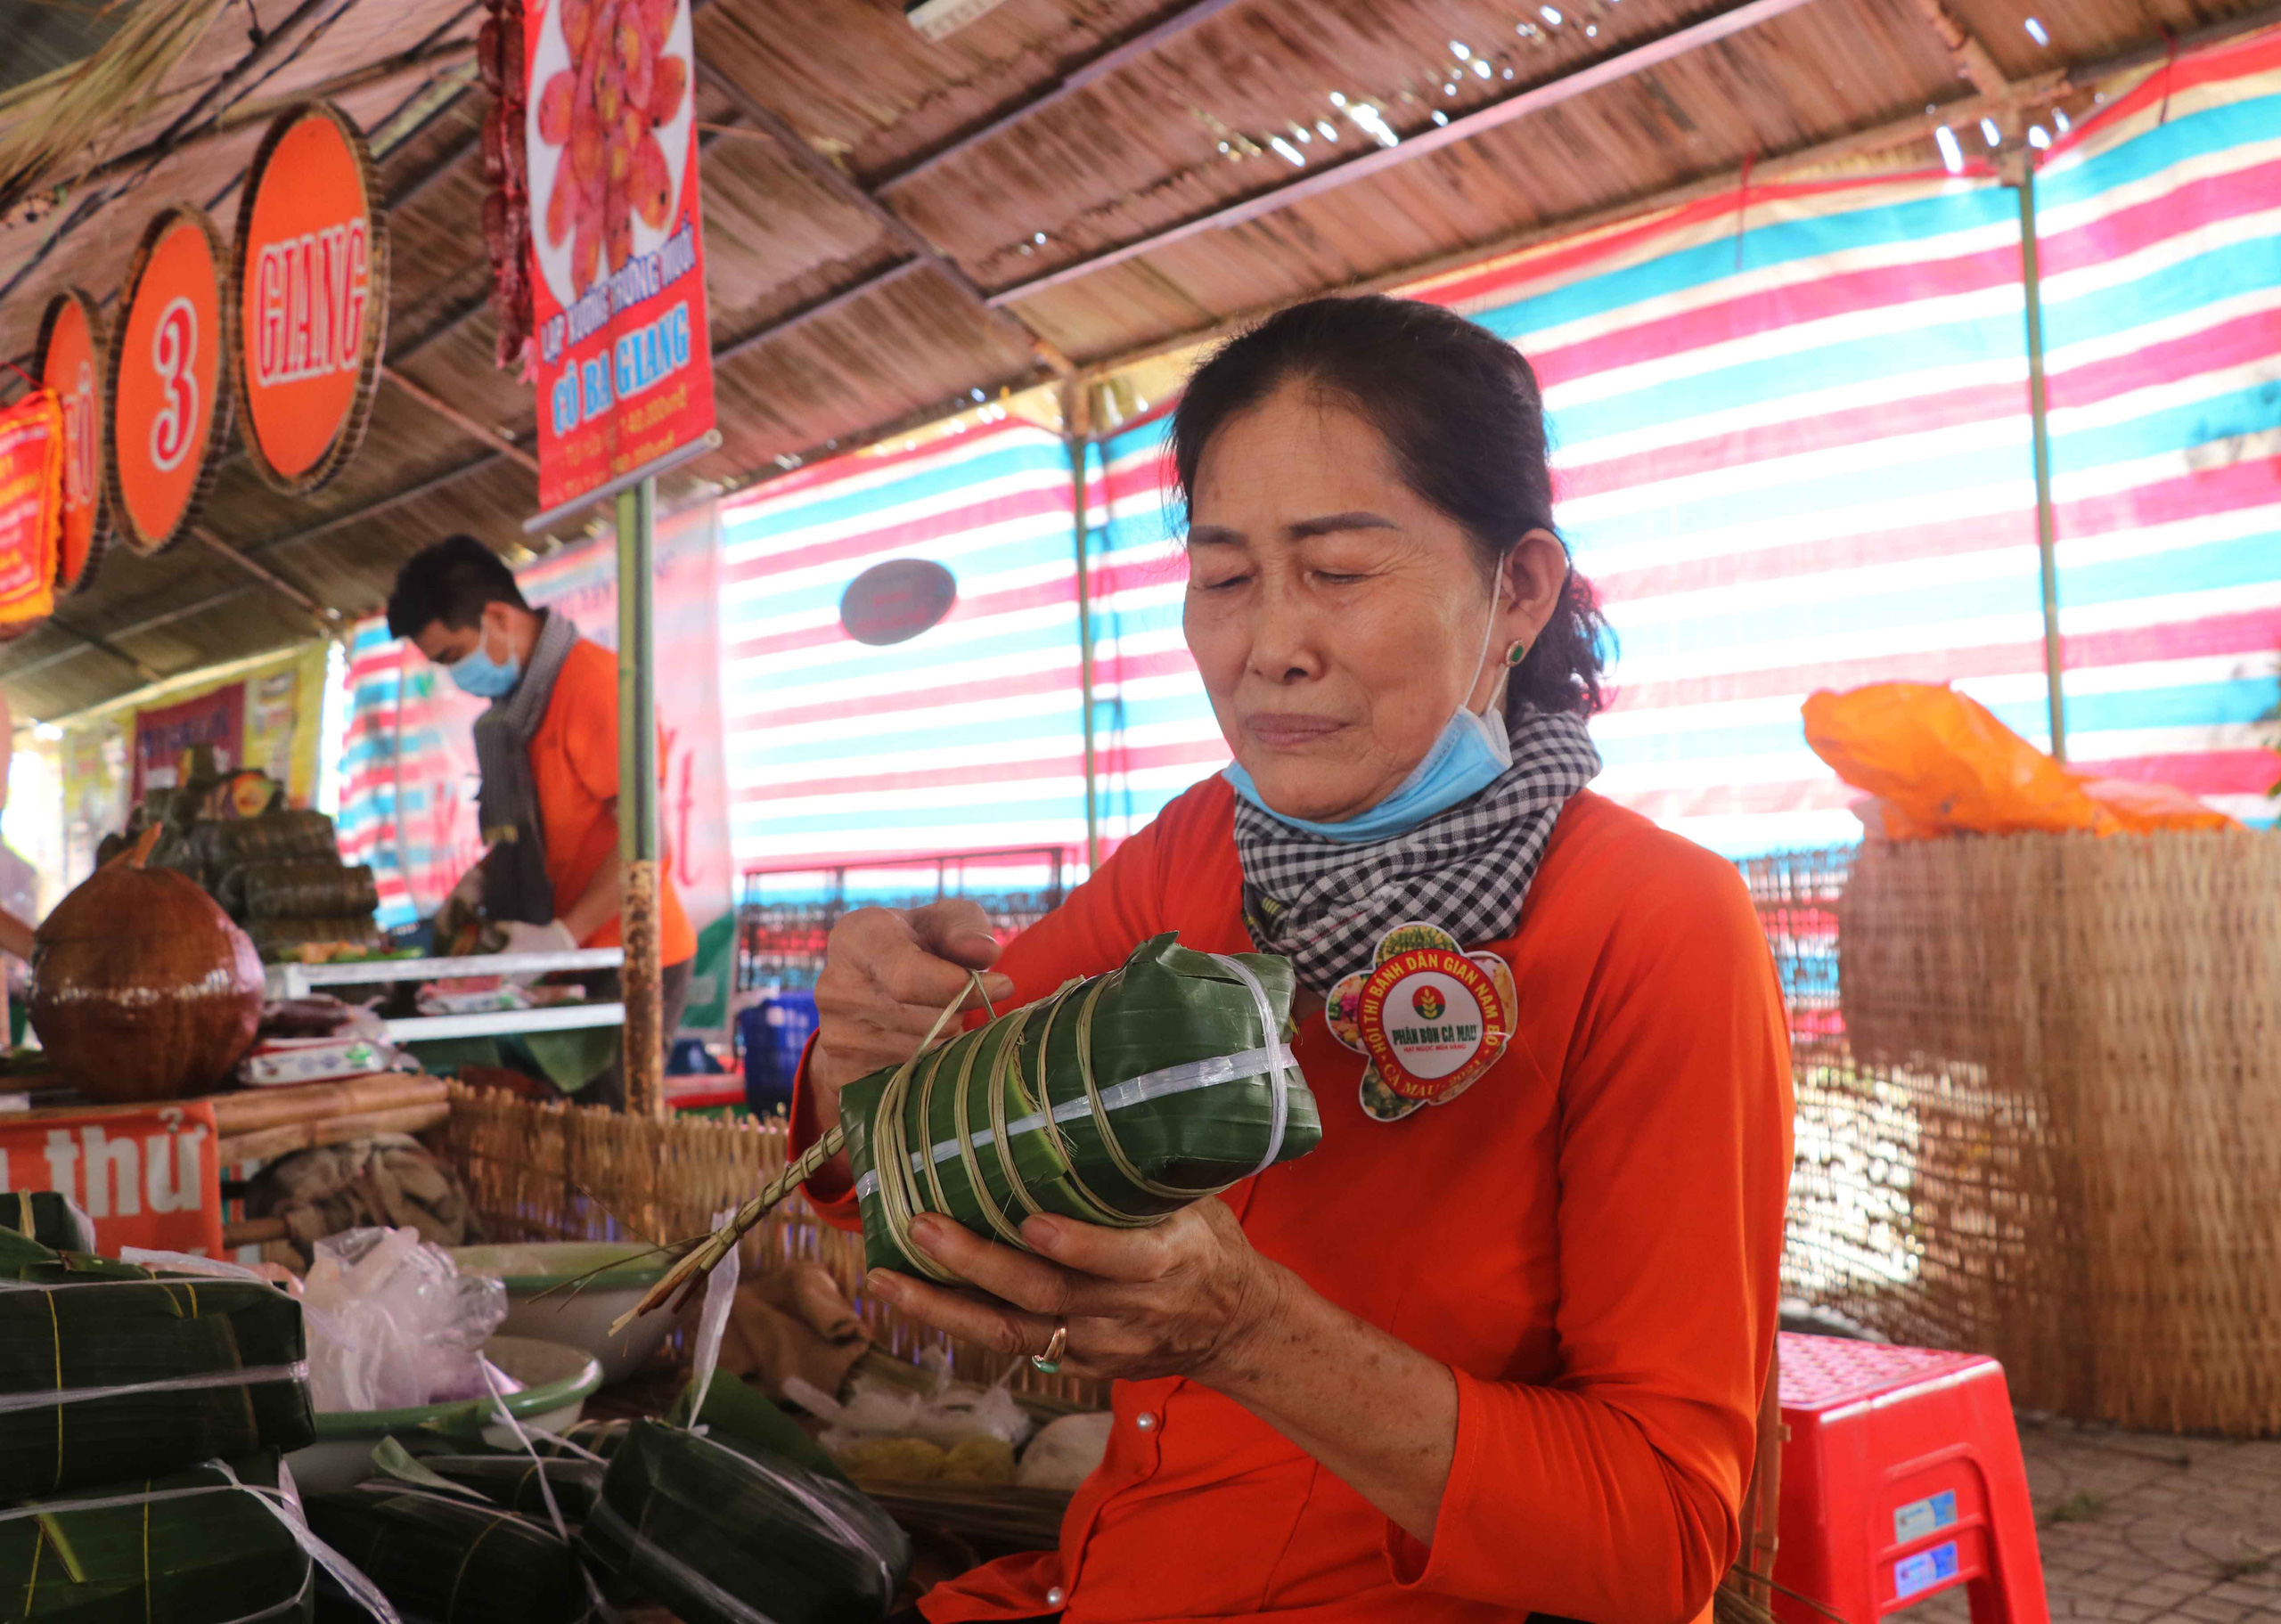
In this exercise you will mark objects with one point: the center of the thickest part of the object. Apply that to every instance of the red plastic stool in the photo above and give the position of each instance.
(1902, 1479)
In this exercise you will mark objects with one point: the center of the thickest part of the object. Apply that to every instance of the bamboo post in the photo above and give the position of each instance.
(1075, 422)
(637, 802)
(2039, 421)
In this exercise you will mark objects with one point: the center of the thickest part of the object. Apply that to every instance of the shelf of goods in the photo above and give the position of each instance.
(298, 980)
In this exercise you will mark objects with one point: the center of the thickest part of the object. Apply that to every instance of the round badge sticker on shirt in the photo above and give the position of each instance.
(309, 271)
(71, 362)
(1431, 1017)
(166, 386)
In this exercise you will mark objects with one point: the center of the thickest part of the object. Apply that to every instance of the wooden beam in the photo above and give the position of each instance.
(452, 414)
(1083, 77)
(88, 640)
(1608, 71)
(1964, 48)
(269, 578)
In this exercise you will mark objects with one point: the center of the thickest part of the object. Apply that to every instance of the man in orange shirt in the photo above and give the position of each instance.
(548, 750)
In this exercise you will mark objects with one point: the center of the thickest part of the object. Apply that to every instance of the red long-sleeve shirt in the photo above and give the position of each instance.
(1589, 1236)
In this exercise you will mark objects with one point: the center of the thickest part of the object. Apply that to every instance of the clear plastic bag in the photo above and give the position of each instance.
(395, 1323)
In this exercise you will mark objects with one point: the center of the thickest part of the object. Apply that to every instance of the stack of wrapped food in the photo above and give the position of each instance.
(145, 1416)
(276, 870)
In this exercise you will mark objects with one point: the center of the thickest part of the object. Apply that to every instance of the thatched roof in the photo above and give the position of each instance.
(893, 222)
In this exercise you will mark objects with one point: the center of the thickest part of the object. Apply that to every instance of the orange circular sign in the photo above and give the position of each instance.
(309, 297)
(71, 362)
(168, 390)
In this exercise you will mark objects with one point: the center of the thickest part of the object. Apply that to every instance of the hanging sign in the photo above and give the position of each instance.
(166, 389)
(308, 298)
(69, 360)
(893, 603)
(31, 507)
(625, 357)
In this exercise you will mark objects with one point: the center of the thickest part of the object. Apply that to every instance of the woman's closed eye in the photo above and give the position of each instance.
(1217, 581)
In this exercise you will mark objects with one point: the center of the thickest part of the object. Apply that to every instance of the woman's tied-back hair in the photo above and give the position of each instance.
(1460, 408)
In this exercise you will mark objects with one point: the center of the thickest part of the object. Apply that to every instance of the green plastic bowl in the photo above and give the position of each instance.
(548, 1298)
(557, 1380)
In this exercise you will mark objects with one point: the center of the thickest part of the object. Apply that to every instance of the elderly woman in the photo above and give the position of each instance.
(1492, 1349)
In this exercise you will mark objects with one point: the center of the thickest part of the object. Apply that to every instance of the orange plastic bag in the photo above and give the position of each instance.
(1941, 763)
(1945, 763)
(2146, 808)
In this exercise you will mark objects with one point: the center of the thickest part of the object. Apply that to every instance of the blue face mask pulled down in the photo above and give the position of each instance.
(1469, 756)
(477, 673)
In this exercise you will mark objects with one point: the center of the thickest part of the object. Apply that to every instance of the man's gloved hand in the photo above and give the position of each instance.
(459, 909)
(552, 937)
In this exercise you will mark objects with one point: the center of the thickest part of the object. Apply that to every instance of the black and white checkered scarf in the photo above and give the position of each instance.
(1323, 904)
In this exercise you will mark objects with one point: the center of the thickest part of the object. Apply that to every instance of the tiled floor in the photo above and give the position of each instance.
(2137, 1528)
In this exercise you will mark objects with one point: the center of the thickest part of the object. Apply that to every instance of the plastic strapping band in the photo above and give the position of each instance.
(713, 1321)
(249, 1376)
(734, 1609)
(545, 1488)
(1278, 1059)
(1209, 1073)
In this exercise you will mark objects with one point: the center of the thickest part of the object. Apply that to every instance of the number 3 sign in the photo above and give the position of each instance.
(167, 382)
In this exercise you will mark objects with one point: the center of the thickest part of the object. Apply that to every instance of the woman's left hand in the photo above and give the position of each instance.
(1186, 1297)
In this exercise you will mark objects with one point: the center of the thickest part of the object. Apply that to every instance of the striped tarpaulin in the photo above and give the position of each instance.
(408, 775)
(1793, 450)
(967, 736)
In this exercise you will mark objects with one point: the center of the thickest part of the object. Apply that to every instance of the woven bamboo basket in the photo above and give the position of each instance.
(2087, 1032)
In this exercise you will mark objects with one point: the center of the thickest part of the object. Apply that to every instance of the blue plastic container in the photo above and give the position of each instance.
(773, 1032)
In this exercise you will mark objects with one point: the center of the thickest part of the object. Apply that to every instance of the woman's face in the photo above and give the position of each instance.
(1338, 618)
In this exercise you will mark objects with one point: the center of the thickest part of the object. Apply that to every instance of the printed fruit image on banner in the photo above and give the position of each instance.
(69, 360)
(31, 507)
(625, 356)
(166, 387)
(309, 277)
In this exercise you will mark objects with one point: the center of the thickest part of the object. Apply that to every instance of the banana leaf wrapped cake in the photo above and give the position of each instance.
(724, 1533)
(52, 1218)
(191, 1548)
(1118, 1100)
(451, 1560)
(109, 1373)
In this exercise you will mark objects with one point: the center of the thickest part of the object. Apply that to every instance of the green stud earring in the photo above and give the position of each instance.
(1519, 652)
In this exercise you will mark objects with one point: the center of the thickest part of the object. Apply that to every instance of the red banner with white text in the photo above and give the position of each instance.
(624, 361)
(149, 1175)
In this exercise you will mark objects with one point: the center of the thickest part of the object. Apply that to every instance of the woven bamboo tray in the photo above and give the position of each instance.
(552, 1171)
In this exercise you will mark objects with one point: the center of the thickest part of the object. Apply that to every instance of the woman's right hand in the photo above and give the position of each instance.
(887, 974)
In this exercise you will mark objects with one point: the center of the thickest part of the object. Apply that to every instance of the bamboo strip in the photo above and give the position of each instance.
(330, 1130)
(253, 1109)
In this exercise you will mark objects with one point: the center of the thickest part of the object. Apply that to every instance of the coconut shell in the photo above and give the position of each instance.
(142, 988)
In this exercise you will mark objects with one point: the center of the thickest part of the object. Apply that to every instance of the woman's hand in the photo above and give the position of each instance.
(1186, 1297)
(887, 974)
(1190, 1298)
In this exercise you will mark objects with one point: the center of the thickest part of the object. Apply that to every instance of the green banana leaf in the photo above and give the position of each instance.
(1165, 1006)
(508, 1480)
(449, 1560)
(211, 1556)
(686, 1518)
(748, 1420)
(102, 1324)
